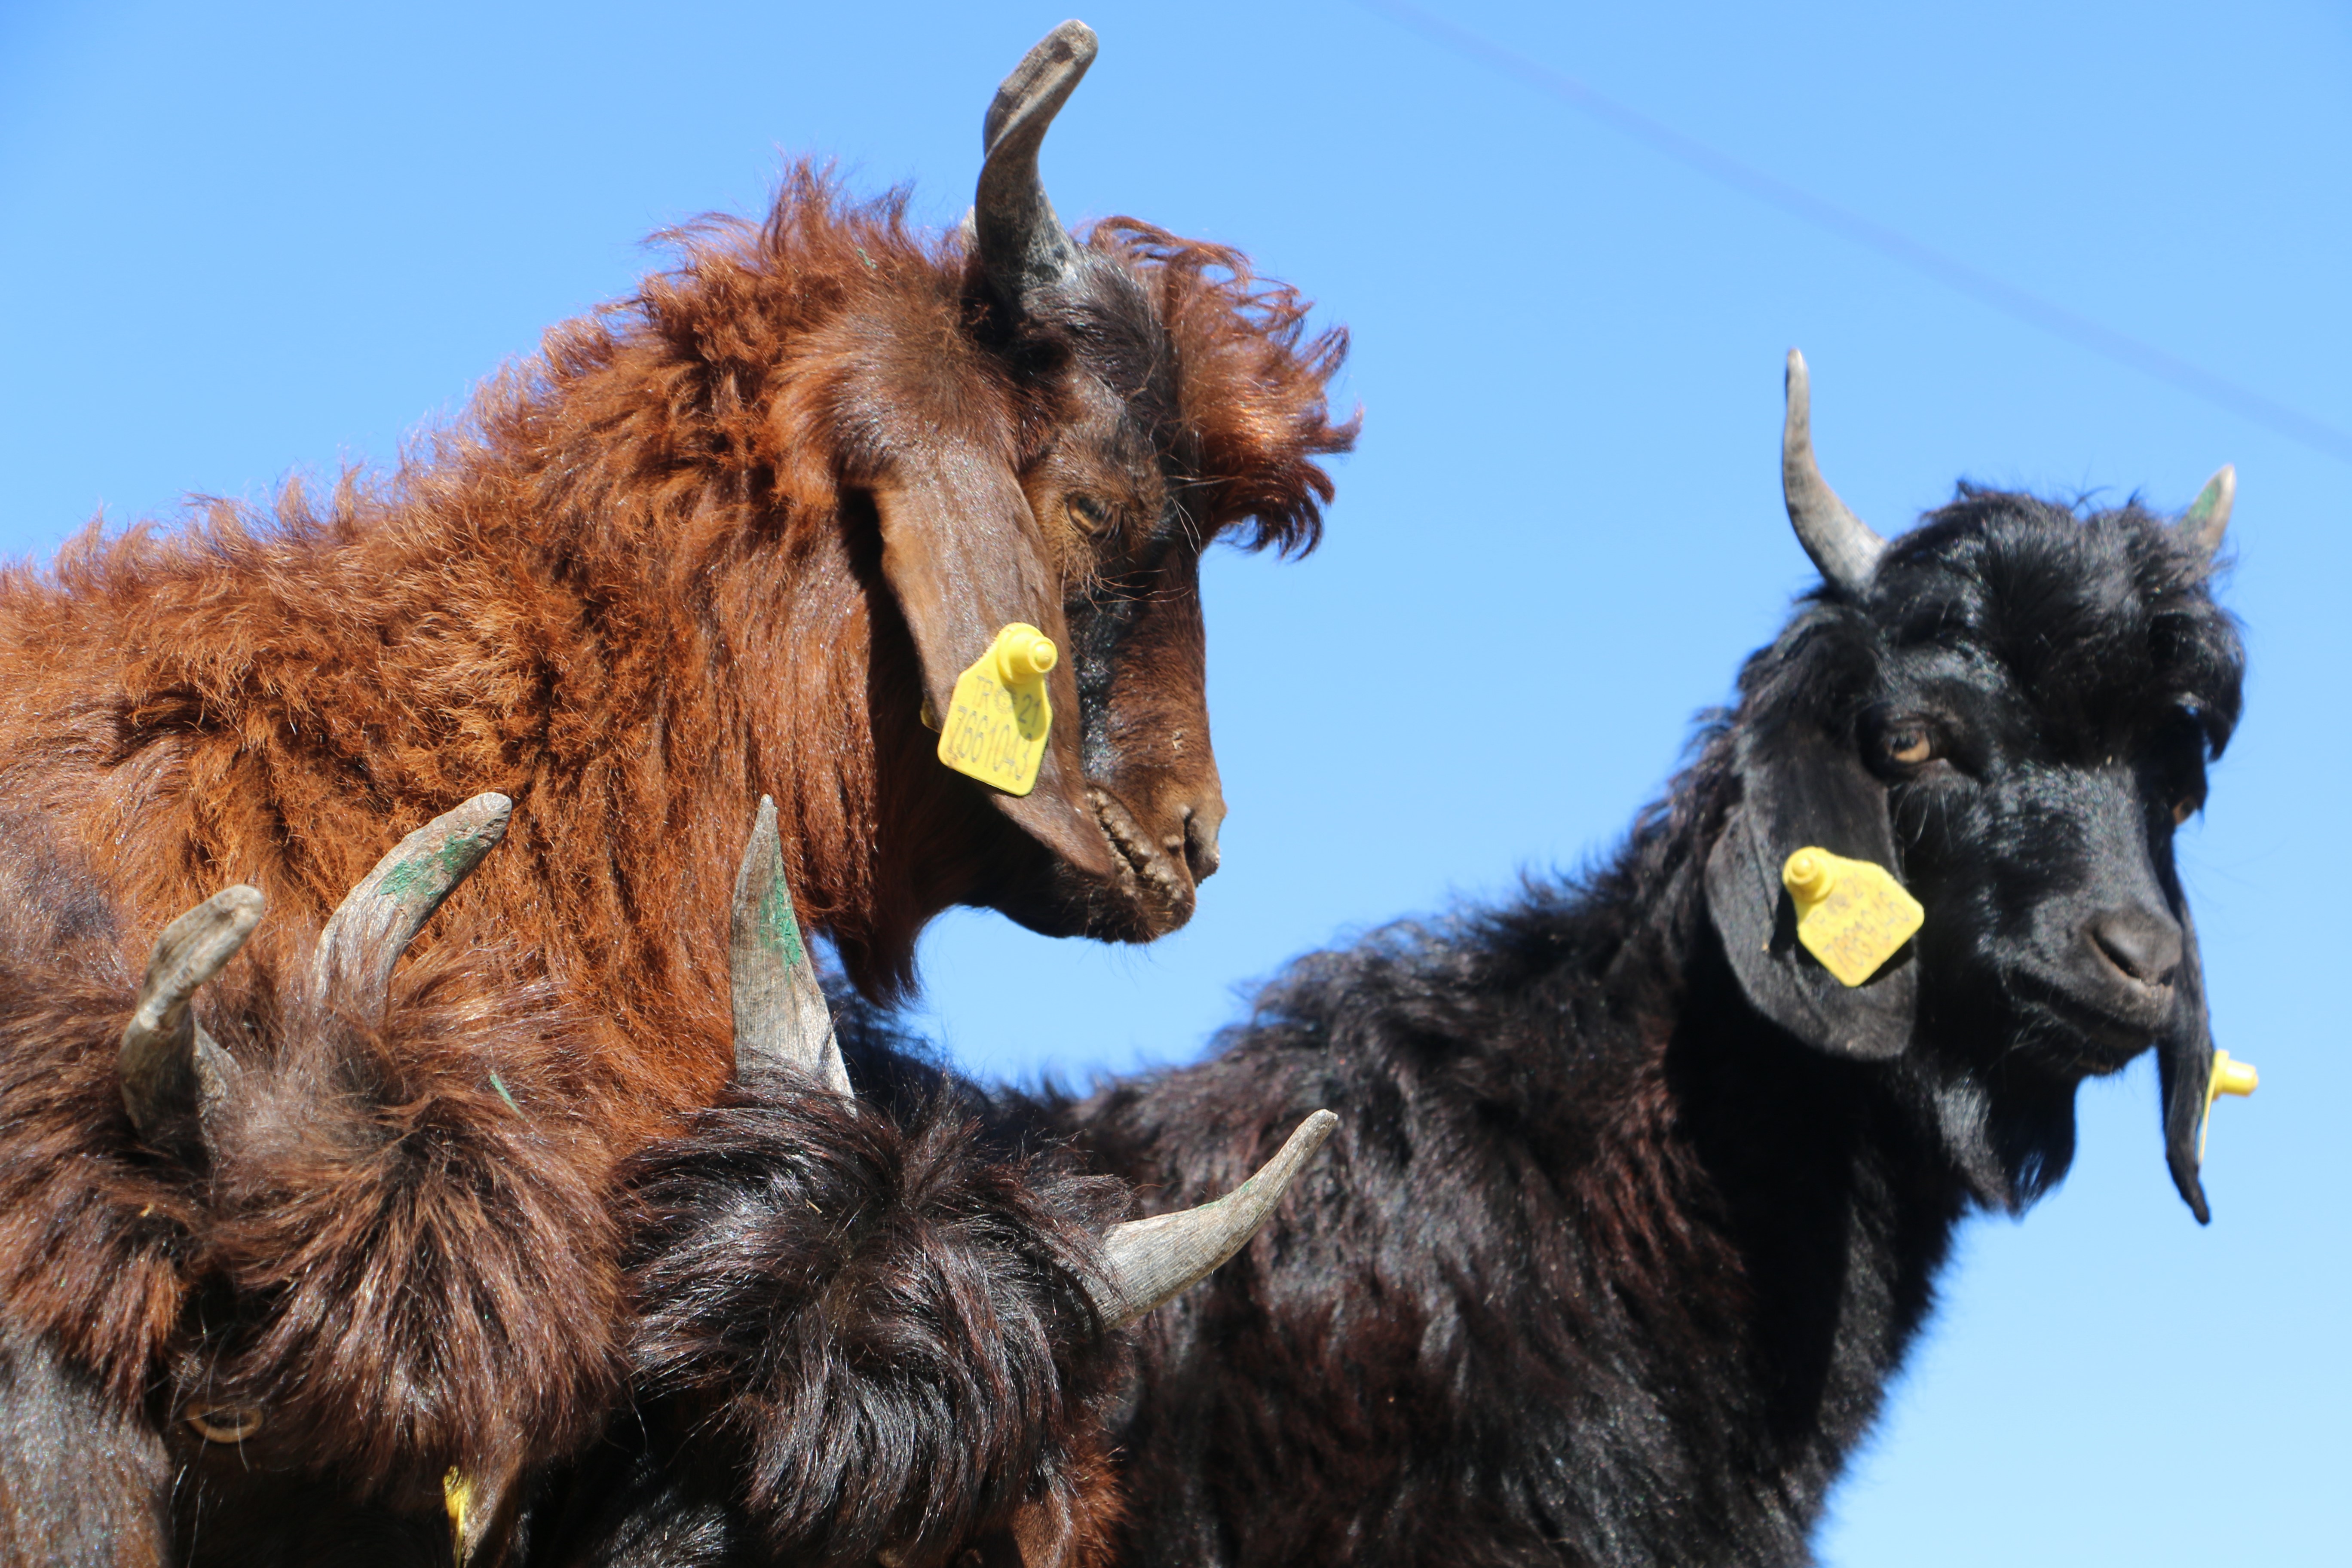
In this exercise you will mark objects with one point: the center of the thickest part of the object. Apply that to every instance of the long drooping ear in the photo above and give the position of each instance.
(2184, 1067)
(1801, 787)
(964, 558)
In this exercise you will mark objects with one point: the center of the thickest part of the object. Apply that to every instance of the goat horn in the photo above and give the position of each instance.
(1843, 546)
(1151, 1261)
(2202, 525)
(374, 925)
(1024, 247)
(781, 1016)
(174, 1074)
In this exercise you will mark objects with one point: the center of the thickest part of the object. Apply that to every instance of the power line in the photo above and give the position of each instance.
(1897, 247)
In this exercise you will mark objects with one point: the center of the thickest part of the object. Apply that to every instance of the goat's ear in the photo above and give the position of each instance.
(1044, 1534)
(964, 557)
(1800, 787)
(2184, 1067)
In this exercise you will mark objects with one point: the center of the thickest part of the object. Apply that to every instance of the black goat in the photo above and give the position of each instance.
(1637, 1207)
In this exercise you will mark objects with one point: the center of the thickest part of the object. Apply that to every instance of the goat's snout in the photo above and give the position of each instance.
(1200, 845)
(2140, 945)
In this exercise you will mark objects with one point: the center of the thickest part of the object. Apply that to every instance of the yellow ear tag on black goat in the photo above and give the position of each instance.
(1851, 914)
(2229, 1078)
(996, 724)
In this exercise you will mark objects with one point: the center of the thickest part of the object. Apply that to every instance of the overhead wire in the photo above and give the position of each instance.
(1995, 293)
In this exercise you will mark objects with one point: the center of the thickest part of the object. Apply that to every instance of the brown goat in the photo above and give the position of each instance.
(730, 538)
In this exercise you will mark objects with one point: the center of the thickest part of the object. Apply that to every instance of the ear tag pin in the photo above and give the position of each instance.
(997, 720)
(2229, 1078)
(1851, 914)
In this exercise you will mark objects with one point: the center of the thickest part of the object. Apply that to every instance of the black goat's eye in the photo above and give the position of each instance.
(2183, 809)
(1906, 745)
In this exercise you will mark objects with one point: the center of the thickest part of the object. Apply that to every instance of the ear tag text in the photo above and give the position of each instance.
(1851, 914)
(998, 719)
(2229, 1078)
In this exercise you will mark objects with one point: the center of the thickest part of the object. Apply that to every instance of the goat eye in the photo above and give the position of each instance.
(2182, 810)
(1909, 746)
(223, 1423)
(1089, 515)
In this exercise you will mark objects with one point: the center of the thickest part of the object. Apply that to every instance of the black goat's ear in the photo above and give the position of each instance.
(1800, 788)
(2184, 1067)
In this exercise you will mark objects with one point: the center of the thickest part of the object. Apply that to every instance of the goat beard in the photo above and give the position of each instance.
(2008, 1135)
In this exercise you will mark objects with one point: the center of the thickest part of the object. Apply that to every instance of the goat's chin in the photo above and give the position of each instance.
(2075, 1037)
(1149, 894)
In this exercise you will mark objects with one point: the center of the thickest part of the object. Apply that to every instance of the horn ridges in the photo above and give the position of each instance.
(1844, 548)
(781, 1015)
(1023, 245)
(376, 922)
(2207, 517)
(1151, 1261)
(174, 1074)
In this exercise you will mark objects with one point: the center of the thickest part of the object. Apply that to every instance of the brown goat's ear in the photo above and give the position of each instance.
(964, 558)
(1799, 788)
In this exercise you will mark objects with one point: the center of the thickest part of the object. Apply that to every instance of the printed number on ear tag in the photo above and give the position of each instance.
(997, 722)
(1851, 914)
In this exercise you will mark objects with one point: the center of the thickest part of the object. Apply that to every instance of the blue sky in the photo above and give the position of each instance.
(240, 242)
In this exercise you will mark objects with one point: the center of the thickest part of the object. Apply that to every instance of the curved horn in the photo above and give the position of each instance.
(781, 1016)
(174, 1074)
(2202, 525)
(1843, 546)
(1023, 245)
(374, 925)
(1153, 1260)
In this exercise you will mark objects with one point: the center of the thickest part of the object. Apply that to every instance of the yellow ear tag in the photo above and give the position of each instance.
(456, 1492)
(2229, 1078)
(996, 724)
(1851, 914)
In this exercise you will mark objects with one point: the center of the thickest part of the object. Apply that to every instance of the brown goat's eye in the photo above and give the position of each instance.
(222, 1423)
(1908, 745)
(1089, 515)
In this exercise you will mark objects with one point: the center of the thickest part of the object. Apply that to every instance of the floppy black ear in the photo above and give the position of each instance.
(1799, 786)
(2184, 1066)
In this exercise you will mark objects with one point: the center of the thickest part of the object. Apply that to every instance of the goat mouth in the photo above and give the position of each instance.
(1155, 884)
(2105, 1038)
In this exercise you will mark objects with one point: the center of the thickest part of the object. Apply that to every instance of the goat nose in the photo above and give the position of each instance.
(2144, 946)
(1201, 842)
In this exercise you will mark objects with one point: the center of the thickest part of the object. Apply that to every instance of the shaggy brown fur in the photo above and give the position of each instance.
(639, 587)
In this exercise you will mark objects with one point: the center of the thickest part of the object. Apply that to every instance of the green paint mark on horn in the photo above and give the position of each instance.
(780, 924)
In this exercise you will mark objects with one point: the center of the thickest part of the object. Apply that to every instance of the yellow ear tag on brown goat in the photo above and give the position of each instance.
(456, 1494)
(2229, 1078)
(997, 721)
(1851, 914)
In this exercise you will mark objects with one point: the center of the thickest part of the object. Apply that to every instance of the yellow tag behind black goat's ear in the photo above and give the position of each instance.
(2229, 1076)
(1851, 914)
(998, 719)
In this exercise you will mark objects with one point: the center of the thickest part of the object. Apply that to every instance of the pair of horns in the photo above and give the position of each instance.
(1846, 549)
(781, 1020)
(1023, 248)
(176, 1078)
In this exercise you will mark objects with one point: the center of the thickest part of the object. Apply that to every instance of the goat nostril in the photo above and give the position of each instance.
(2145, 947)
(1200, 845)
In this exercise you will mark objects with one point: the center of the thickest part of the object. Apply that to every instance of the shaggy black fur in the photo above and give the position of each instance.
(857, 1331)
(1634, 1211)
